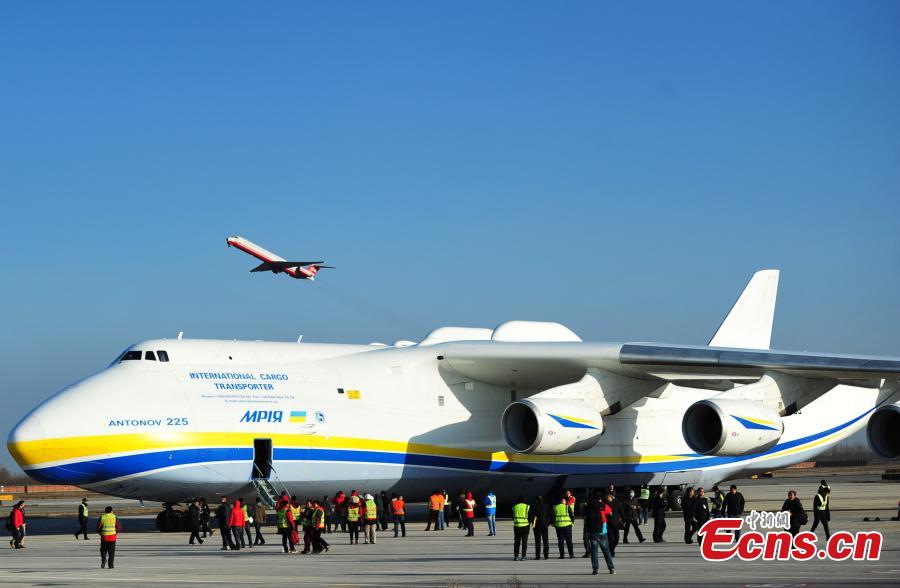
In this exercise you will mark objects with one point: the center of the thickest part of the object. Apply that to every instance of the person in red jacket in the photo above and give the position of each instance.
(236, 524)
(17, 525)
(340, 510)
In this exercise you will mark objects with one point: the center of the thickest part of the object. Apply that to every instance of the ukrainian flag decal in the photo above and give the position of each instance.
(572, 422)
(753, 423)
(298, 416)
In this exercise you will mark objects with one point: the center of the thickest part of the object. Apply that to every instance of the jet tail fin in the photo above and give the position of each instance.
(749, 323)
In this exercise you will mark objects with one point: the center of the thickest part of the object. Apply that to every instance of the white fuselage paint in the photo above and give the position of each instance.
(149, 429)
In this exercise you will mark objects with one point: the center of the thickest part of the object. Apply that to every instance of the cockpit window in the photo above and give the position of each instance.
(149, 355)
(163, 355)
(129, 355)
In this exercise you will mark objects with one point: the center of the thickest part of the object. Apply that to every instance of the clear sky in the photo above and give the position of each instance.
(621, 168)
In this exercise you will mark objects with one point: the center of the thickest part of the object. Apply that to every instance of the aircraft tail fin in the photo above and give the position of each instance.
(749, 323)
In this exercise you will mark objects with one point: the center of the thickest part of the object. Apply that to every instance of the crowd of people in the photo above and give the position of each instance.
(604, 514)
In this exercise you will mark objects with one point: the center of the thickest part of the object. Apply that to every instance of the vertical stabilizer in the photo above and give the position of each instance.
(749, 323)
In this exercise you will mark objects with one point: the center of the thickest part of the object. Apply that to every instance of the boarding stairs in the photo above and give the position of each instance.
(266, 489)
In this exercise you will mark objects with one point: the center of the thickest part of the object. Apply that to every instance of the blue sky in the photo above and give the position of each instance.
(620, 168)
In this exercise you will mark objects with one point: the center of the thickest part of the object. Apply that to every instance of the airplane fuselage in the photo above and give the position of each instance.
(353, 416)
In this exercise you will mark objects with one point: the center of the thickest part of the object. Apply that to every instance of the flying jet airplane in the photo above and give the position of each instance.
(301, 270)
(524, 408)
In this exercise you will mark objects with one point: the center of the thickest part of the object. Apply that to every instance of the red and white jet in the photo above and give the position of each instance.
(301, 270)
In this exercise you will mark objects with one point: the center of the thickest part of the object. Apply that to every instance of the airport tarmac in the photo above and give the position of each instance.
(447, 558)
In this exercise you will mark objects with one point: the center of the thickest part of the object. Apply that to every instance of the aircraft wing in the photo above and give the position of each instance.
(545, 365)
(271, 266)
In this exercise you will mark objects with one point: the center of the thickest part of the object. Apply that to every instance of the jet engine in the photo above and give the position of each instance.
(883, 431)
(730, 427)
(551, 426)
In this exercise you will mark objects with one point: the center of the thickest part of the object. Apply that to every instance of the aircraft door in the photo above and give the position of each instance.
(262, 459)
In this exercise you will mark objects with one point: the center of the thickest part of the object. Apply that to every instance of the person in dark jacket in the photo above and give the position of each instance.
(631, 514)
(223, 516)
(581, 505)
(614, 521)
(205, 516)
(596, 521)
(82, 519)
(793, 506)
(687, 511)
(717, 498)
(821, 509)
(701, 511)
(329, 514)
(658, 510)
(248, 514)
(259, 519)
(384, 510)
(733, 506)
(541, 515)
(194, 522)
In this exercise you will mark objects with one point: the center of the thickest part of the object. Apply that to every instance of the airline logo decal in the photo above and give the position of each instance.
(754, 423)
(262, 416)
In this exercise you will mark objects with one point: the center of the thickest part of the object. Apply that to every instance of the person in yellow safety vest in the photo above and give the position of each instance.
(306, 521)
(563, 517)
(371, 519)
(644, 504)
(821, 510)
(285, 525)
(521, 518)
(108, 527)
(297, 513)
(318, 528)
(82, 519)
(718, 499)
(353, 519)
(444, 516)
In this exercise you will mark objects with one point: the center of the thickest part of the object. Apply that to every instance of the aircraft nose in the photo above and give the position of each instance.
(27, 442)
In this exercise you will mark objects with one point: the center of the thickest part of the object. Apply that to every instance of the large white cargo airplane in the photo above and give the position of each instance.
(523, 408)
(300, 270)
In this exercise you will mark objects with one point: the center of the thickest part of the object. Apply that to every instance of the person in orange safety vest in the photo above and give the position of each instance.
(435, 506)
(398, 509)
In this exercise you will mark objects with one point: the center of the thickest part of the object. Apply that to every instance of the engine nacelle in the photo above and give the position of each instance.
(730, 427)
(883, 431)
(551, 426)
